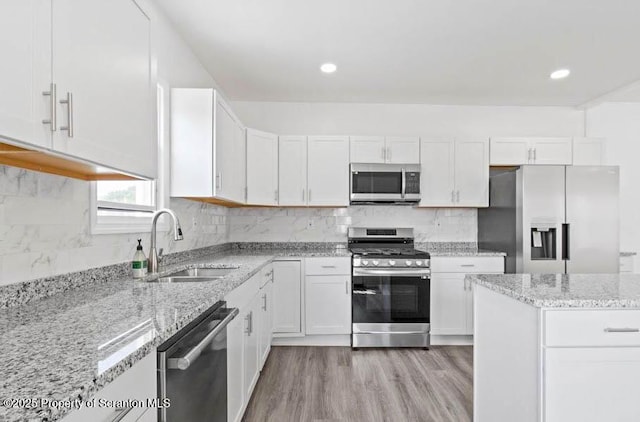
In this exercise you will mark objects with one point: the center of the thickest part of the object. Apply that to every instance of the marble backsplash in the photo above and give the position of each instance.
(330, 224)
(45, 228)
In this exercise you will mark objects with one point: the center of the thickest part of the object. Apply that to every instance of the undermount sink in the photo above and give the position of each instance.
(196, 275)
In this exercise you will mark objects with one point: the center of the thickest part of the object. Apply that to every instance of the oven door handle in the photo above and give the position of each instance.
(404, 184)
(391, 332)
(185, 361)
(394, 272)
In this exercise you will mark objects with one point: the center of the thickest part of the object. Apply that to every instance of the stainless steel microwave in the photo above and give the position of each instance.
(385, 183)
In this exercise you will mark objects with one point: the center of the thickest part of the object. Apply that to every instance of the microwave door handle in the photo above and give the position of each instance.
(404, 183)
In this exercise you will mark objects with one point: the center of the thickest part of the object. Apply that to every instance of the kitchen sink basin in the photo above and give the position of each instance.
(196, 275)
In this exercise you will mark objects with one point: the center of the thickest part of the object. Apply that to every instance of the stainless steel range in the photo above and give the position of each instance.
(390, 289)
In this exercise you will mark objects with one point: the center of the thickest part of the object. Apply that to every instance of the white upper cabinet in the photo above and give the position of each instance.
(77, 79)
(25, 42)
(292, 174)
(208, 155)
(230, 154)
(437, 185)
(588, 151)
(455, 173)
(262, 168)
(367, 149)
(328, 170)
(471, 173)
(101, 65)
(517, 151)
(390, 149)
(403, 150)
(552, 151)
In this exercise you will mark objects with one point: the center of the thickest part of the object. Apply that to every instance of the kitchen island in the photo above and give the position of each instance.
(556, 347)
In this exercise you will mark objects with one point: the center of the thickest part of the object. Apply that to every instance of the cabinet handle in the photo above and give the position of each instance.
(622, 330)
(528, 155)
(346, 285)
(302, 195)
(249, 319)
(328, 266)
(69, 102)
(383, 154)
(389, 154)
(264, 302)
(468, 265)
(309, 195)
(457, 196)
(534, 155)
(53, 103)
(121, 413)
(453, 196)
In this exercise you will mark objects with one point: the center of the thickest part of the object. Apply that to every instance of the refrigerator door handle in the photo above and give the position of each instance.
(565, 242)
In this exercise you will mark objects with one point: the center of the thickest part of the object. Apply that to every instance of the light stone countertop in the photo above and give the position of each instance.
(565, 290)
(50, 347)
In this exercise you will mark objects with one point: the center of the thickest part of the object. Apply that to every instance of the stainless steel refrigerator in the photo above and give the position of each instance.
(553, 219)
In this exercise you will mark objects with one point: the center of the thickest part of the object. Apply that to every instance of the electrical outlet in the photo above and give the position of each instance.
(194, 222)
(310, 223)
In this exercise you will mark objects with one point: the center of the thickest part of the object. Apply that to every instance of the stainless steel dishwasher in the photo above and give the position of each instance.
(192, 369)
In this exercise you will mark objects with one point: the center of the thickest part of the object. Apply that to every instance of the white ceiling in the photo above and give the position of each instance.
(490, 52)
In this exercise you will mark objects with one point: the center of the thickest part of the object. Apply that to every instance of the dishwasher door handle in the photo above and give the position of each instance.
(185, 361)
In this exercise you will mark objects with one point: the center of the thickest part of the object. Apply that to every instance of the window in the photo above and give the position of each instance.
(126, 206)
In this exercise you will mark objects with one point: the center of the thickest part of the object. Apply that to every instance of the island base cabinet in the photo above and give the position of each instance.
(592, 384)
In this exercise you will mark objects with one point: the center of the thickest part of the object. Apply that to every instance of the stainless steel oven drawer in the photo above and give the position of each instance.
(391, 335)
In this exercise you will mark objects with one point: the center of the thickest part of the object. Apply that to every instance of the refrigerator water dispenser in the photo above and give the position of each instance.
(543, 243)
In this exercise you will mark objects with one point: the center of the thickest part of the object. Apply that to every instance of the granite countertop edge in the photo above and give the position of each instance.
(554, 303)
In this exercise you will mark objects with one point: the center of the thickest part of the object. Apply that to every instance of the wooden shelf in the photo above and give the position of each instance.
(45, 162)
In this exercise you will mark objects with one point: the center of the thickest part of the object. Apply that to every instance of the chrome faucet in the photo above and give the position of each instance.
(177, 235)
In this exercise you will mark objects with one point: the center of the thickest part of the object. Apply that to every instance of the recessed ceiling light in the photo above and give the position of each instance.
(560, 74)
(328, 68)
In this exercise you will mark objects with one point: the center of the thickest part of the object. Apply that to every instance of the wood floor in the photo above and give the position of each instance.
(338, 384)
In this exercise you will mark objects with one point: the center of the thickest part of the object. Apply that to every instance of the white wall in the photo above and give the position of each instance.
(330, 224)
(409, 119)
(44, 219)
(619, 123)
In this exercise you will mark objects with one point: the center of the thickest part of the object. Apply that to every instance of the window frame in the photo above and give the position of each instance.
(135, 222)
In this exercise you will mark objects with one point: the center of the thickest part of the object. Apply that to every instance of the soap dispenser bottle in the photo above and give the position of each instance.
(139, 264)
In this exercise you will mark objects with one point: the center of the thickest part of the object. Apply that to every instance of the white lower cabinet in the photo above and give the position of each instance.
(251, 319)
(450, 309)
(138, 382)
(452, 296)
(265, 318)
(287, 297)
(243, 342)
(328, 304)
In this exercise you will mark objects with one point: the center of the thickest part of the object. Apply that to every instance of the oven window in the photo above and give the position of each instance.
(376, 182)
(390, 299)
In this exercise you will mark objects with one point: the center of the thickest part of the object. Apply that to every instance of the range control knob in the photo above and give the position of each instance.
(408, 263)
(365, 262)
(376, 263)
(419, 263)
(392, 262)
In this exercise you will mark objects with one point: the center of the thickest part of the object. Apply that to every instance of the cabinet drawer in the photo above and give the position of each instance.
(592, 328)
(242, 295)
(626, 264)
(327, 266)
(468, 265)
